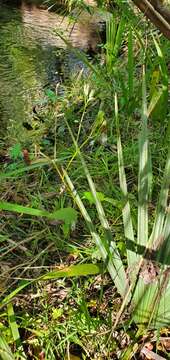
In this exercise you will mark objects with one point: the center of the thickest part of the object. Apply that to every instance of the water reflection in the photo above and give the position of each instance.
(24, 68)
(28, 58)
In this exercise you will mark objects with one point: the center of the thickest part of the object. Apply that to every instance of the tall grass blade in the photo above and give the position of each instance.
(163, 65)
(110, 40)
(14, 330)
(79, 54)
(108, 234)
(114, 36)
(141, 294)
(165, 236)
(5, 351)
(69, 271)
(35, 165)
(126, 212)
(113, 263)
(119, 36)
(159, 91)
(110, 245)
(162, 316)
(20, 287)
(152, 299)
(12, 322)
(151, 295)
(162, 205)
(144, 174)
(130, 63)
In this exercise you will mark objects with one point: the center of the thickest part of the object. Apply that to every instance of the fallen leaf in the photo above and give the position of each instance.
(151, 355)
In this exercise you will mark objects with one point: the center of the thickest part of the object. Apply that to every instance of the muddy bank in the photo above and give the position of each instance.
(84, 32)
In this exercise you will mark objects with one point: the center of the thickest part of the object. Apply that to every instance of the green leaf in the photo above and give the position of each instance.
(130, 64)
(12, 322)
(119, 35)
(163, 65)
(160, 214)
(126, 211)
(154, 104)
(57, 313)
(5, 351)
(106, 245)
(15, 152)
(144, 173)
(151, 296)
(74, 270)
(161, 106)
(101, 197)
(20, 287)
(89, 196)
(70, 271)
(51, 95)
(68, 215)
(17, 172)
(39, 164)
(14, 330)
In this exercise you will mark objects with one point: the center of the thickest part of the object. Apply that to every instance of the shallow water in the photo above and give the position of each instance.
(29, 58)
(25, 67)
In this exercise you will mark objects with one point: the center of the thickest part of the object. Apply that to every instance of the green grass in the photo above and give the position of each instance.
(78, 221)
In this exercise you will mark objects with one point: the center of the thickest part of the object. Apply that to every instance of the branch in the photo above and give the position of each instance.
(157, 14)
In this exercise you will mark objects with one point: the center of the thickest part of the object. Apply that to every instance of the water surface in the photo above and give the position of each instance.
(29, 57)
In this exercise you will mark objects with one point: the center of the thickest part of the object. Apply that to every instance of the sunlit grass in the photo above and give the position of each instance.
(80, 218)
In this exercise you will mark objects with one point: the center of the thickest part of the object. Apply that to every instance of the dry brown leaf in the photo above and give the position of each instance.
(151, 355)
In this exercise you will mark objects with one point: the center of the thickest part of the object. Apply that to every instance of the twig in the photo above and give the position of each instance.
(157, 14)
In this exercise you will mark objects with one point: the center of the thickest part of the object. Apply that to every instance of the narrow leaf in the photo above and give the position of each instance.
(113, 263)
(5, 351)
(68, 215)
(126, 212)
(162, 204)
(144, 174)
(74, 270)
(12, 322)
(130, 63)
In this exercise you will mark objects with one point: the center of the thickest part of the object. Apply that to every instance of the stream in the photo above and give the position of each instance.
(30, 57)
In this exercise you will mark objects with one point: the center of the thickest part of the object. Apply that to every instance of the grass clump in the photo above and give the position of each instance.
(85, 214)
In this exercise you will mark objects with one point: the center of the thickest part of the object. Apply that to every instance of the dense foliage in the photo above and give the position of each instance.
(85, 220)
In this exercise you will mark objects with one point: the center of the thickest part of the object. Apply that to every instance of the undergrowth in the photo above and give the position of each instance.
(51, 307)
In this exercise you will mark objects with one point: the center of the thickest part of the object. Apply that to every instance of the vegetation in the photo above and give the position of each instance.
(85, 207)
